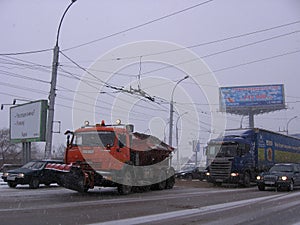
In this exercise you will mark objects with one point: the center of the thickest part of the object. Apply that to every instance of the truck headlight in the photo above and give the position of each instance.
(207, 173)
(284, 178)
(234, 174)
(21, 175)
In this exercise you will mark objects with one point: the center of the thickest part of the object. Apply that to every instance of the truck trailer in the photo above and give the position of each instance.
(114, 156)
(239, 155)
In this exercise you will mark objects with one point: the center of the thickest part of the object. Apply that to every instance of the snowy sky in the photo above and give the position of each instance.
(242, 42)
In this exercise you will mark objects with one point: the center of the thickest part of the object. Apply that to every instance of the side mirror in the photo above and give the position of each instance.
(68, 140)
(68, 132)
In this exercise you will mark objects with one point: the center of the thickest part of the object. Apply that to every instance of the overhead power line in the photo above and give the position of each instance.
(223, 51)
(135, 27)
(6, 73)
(218, 41)
(9, 60)
(138, 92)
(140, 25)
(26, 52)
(23, 88)
(205, 56)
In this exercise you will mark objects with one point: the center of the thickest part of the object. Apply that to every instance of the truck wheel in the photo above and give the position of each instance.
(291, 186)
(140, 189)
(246, 181)
(161, 185)
(12, 184)
(261, 187)
(124, 189)
(146, 188)
(170, 182)
(81, 187)
(34, 183)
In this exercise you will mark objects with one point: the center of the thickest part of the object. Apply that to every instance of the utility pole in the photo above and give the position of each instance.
(49, 130)
(287, 125)
(177, 141)
(171, 111)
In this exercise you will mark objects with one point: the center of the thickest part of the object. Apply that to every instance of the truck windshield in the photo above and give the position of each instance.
(99, 139)
(224, 150)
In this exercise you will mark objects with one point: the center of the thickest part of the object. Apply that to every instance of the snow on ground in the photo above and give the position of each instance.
(1, 180)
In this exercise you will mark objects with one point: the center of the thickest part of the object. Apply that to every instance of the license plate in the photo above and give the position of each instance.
(269, 182)
(219, 180)
(11, 178)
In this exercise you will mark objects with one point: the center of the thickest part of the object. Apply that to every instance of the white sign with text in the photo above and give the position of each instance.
(27, 121)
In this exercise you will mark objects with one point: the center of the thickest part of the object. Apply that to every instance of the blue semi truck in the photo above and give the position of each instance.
(240, 155)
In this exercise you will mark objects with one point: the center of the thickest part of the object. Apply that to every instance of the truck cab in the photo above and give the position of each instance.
(230, 158)
(103, 147)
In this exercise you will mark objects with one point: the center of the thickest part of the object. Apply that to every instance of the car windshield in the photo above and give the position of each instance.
(34, 165)
(101, 139)
(282, 168)
(188, 167)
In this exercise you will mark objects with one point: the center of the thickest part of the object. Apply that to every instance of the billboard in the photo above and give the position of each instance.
(239, 99)
(28, 122)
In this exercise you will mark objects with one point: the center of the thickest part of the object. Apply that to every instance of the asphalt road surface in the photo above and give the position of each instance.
(190, 202)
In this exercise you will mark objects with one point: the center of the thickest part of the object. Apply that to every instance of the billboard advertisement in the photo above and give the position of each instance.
(245, 97)
(28, 122)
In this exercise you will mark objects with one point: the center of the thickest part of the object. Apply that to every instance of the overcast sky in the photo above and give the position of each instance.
(242, 42)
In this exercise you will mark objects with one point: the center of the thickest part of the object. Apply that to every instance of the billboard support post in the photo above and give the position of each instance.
(26, 151)
(251, 120)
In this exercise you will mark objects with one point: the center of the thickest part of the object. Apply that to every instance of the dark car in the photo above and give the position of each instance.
(32, 173)
(280, 176)
(192, 173)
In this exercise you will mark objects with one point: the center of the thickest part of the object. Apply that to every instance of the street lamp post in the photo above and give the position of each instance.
(171, 110)
(177, 140)
(52, 94)
(287, 125)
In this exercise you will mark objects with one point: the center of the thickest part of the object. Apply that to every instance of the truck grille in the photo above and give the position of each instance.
(220, 169)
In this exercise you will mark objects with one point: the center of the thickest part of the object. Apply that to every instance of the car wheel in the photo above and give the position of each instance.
(217, 184)
(190, 177)
(12, 184)
(48, 184)
(34, 183)
(261, 187)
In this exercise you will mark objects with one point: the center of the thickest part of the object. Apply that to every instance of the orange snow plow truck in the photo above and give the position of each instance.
(114, 156)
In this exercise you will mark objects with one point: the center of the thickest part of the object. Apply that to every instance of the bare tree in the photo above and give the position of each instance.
(59, 151)
(10, 152)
